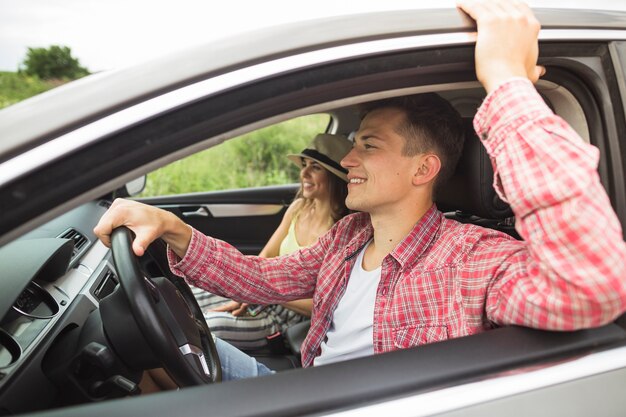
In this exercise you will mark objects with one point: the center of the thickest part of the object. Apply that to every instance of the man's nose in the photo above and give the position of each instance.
(349, 160)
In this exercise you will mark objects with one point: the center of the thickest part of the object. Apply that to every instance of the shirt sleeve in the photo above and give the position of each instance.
(218, 267)
(570, 272)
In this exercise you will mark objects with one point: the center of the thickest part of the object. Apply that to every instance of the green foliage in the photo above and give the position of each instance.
(41, 70)
(255, 159)
(53, 62)
(17, 87)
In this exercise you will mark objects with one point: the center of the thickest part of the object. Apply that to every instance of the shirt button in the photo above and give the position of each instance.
(384, 291)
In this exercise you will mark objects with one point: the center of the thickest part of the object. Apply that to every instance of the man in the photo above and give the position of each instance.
(399, 274)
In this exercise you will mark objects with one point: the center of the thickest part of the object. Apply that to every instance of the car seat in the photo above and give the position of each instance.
(468, 196)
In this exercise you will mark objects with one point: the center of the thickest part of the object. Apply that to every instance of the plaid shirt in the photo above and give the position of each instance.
(448, 279)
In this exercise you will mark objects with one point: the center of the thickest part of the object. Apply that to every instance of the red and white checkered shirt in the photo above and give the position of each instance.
(448, 279)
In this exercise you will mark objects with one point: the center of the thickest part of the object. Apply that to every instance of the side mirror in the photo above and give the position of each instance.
(133, 187)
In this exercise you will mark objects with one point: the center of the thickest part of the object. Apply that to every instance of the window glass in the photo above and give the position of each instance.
(255, 159)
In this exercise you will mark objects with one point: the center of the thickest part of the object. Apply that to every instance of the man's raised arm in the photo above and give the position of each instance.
(572, 271)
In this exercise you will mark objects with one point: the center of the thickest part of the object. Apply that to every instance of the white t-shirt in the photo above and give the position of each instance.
(351, 332)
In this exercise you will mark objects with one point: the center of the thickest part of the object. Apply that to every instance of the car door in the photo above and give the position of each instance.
(245, 218)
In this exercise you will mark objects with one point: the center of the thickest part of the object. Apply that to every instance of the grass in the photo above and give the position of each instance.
(16, 87)
(255, 159)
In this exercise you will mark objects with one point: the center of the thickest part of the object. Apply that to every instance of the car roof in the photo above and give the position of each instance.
(64, 108)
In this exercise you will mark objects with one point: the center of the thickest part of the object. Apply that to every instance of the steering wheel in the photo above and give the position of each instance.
(168, 317)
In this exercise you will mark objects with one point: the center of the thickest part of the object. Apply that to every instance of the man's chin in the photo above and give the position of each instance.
(354, 205)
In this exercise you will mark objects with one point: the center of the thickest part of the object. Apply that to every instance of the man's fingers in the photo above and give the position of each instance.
(130, 214)
(139, 248)
(473, 8)
(540, 70)
(467, 7)
(506, 42)
(144, 236)
(487, 10)
(103, 230)
(109, 221)
(148, 223)
(104, 234)
(106, 239)
(522, 7)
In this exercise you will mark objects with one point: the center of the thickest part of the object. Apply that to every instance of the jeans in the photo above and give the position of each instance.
(238, 365)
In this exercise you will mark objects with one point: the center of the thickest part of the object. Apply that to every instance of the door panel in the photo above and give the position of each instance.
(245, 218)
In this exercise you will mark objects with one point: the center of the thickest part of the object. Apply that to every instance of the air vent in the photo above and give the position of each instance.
(80, 241)
(106, 284)
(104, 203)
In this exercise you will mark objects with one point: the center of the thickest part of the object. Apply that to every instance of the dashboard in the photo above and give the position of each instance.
(52, 280)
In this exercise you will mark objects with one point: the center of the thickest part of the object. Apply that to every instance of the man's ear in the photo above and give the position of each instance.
(427, 168)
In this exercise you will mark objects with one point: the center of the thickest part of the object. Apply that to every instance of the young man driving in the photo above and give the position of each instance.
(398, 274)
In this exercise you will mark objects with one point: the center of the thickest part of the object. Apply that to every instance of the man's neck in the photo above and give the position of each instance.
(390, 228)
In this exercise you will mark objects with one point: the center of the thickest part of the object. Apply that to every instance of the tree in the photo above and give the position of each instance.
(53, 62)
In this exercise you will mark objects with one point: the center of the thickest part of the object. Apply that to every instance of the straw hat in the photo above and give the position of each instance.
(327, 150)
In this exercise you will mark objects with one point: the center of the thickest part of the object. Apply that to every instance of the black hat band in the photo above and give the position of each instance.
(312, 153)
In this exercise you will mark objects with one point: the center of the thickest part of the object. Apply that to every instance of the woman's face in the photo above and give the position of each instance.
(314, 179)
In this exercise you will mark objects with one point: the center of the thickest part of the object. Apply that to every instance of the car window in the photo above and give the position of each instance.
(255, 159)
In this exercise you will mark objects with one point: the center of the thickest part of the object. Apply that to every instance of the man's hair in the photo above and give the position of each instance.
(431, 124)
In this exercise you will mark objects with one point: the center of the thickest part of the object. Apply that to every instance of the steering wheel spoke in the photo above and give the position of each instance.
(168, 317)
(195, 355)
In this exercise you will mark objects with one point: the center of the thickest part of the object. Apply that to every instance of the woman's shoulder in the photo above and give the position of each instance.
(295, 206)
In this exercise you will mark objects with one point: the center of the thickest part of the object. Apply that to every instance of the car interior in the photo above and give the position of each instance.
(468, 196)
(70, 329)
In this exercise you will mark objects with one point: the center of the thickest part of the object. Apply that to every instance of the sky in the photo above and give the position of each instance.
(108, 34)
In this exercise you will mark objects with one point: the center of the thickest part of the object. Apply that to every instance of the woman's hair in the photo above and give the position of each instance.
(338, 190)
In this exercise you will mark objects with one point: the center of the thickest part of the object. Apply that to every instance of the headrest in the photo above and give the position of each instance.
(470, 189)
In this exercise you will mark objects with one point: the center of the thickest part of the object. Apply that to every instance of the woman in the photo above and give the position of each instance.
(319, 203)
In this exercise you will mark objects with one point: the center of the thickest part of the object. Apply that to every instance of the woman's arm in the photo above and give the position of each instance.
(272, 247)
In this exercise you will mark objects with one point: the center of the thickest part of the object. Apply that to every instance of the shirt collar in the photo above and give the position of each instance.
(423, 234)
(357, 243)
(411, 248)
